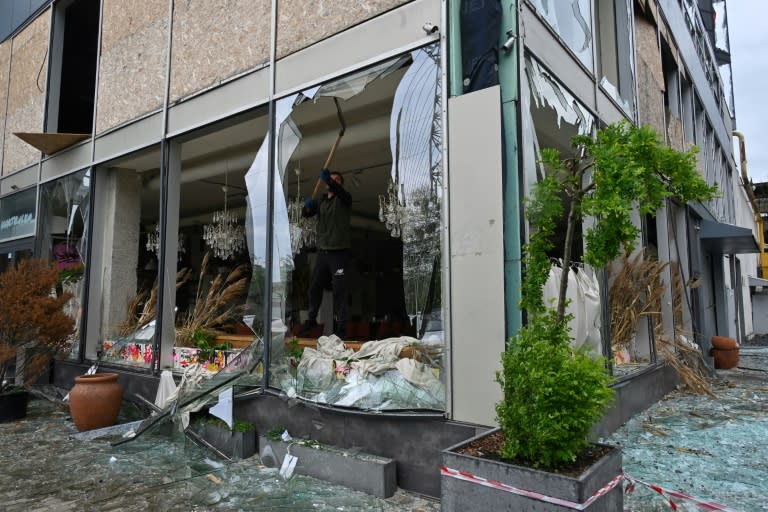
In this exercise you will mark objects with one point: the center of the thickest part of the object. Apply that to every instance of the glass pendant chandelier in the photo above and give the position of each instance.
(392, 209)
(153, 241)
(303, 230)
(224, 235)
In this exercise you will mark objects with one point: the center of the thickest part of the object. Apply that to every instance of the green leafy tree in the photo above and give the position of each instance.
(552, 393)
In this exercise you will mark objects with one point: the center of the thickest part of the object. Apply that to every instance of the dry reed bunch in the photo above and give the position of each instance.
(216, 304)
(636, 292)
(142, 307)
(683, 355)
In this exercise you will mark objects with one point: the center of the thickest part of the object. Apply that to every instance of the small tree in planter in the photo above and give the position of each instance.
(33, 326)
(553, 394)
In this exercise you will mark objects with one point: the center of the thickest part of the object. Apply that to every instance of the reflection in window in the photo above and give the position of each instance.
(63, 237)
(17, 214)
(572, 20)
(615, 64)
(388, 354)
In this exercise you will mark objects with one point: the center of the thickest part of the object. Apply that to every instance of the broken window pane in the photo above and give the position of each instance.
(615, 63)
(572, 20)
(376, 282)
(552, 117)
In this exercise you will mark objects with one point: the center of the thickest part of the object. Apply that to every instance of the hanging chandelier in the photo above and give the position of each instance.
(302, 230)
(392, 210)
(153, 241)
(224, 235)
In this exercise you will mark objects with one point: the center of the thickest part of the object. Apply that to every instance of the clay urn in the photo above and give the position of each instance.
(95, 400)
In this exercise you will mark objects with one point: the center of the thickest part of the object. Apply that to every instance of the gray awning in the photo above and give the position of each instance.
(756, 281)
(722, 238)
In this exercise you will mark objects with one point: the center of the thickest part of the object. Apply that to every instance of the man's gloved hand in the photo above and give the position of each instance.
(309, 204)
(325, 175)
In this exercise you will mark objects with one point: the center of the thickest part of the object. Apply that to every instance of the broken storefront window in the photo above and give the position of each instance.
(385, 125)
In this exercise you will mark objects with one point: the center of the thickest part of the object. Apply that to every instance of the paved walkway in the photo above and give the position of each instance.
(43, 469)
(711, 449)
(714, 450)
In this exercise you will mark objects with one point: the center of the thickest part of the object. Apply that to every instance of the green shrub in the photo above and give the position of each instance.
(552, 394)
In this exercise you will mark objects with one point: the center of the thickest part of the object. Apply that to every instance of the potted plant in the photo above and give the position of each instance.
(238, 442)
(33, 329)
(541, 457)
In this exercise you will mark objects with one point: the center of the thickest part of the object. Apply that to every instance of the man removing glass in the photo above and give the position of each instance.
(333, 245)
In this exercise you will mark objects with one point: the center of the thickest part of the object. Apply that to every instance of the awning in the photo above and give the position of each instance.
(50, 143)
(756, 281)
(722, 238)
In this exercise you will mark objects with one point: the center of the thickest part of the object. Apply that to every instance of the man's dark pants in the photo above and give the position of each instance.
(331, 269)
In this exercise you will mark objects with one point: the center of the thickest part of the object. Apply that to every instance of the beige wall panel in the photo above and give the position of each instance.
(26, 94)
(132, 66)
(213, 41)
(300, 24)
(5, 62)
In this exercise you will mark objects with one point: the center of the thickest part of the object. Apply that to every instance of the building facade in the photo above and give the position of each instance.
(160, 154)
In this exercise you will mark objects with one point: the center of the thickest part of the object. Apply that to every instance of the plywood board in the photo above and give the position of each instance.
(212, 42)
(50, 143)
(26, 92)
(133, 60)
(300, 24)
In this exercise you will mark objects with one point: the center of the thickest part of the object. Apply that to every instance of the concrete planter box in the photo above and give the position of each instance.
(238, 445)
(486, 484)
(363, 472)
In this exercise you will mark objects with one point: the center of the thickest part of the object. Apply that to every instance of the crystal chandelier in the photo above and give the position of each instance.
(392, 210)
(303, 230)
(224, 235)
(153, 241)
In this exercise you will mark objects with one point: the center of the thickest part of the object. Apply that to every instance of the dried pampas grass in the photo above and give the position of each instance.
(215, 304)
(637, 292)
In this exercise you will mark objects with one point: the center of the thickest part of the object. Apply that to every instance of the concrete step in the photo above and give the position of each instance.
(357, 470)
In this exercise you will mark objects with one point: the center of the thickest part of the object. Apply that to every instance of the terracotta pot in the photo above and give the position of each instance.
(724, 343)
(725, 359)
(95, 400)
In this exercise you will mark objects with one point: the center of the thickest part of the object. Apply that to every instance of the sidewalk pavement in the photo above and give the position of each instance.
(712, 450)
(42, 469)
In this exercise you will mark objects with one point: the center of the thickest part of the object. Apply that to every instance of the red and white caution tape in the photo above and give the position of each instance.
(666, 493)
(631, 481)
(494, 484)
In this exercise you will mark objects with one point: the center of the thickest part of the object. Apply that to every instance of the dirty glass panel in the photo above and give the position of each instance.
(129, 208)
(219, 282)
(63, 238)
(572, 20)
(17, 214)
(616, 67)
(357, 309)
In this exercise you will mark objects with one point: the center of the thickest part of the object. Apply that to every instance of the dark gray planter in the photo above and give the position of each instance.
(13, 405)
(237, 445)
(486, 484)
